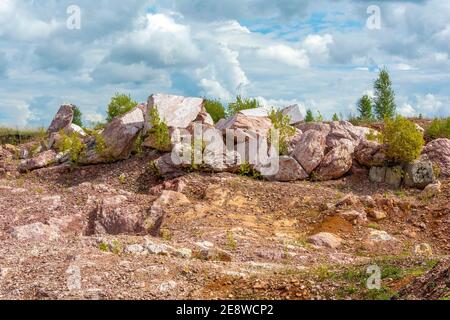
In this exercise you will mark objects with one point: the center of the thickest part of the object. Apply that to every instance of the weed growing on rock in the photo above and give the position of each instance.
(242, 104)
(72, 145)
(159, 130)
(281, 123)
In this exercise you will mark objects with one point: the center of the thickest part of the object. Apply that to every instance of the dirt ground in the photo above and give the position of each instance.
(260, 228)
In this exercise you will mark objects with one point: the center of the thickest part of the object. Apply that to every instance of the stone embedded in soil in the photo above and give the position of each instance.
(376, 236)
(423, 249)
(158, 248)
(35, 232)
(325, 239)
(113, 217)
(354, 216)
(207, 251)
(432, 190)
(377, 215)
(42, 160)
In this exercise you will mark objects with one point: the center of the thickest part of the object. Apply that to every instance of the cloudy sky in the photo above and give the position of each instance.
(320, 54)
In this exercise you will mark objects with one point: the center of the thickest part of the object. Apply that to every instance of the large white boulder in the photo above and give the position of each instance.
(178, 111)
(294, 112)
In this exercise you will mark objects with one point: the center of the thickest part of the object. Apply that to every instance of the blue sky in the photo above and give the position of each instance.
(319, 54)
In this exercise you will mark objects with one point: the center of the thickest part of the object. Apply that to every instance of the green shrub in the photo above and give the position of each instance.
(71, 144)
(372, 136)
(159, 130)
(309, 116)
(16, 136)
(439, 128)
(319, 117)
(119, 105)
(242, 104)
(215, 109)
(403, 141)
(336, 117)
(281, 122)
(77, 115)
(247, 170)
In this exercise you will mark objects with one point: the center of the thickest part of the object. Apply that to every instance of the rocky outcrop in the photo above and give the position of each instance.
(438, 151)
(419, 174)
(42, 160)
(113, 216)
(62, 119)
(289, 170)
(178, 111)
(241, 122)
(370, 153)
(121, 133)
(336, 163)
(310, 150)
(116, 141)
(294, 113)
(325, 128)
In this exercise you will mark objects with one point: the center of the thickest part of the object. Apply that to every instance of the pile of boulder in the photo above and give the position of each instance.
(319, 151)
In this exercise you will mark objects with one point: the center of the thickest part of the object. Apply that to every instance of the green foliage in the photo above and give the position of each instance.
(281, 123)
(231, 242)
(365, 109)
(439, 128)
(336, 117)
(309, 116)
(372, 136)
(123, 178)
(138, 144)
(403, 141)
(319, 117)
(113, 247)
(384, 96)
(119, 105)
(159, 130)
(247, 170)
(71, 144)
(215, 109)
(242, 104)
(77, 115)
(16, 136)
